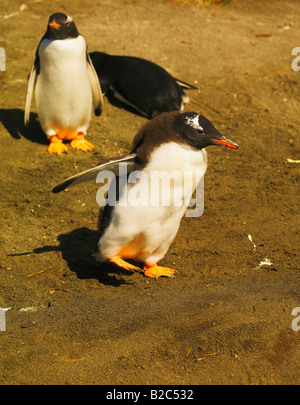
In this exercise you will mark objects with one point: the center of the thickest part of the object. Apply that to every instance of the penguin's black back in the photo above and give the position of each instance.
(143, 83)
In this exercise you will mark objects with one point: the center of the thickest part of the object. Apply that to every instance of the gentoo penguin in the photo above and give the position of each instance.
(170, 144)
(66, 86)
(139, 83)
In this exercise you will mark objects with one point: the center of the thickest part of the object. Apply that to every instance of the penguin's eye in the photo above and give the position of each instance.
(200, 131)
(67, 23)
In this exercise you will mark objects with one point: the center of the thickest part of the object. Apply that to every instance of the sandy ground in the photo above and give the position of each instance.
(226, 317)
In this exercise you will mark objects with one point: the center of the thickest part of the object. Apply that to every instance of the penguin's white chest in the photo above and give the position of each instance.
(144, 228)
(63, 92)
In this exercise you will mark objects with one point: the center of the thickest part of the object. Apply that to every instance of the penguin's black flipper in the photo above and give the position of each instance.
(185, 85)
(91, 174)
(95, 86)
(30, 88)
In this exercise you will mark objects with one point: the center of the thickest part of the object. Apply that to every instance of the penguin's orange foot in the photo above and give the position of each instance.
(79, 142)
(155, 271)
(121, 263)
(56, 145)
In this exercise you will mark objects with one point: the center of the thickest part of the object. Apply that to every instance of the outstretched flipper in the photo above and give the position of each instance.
(91, 174)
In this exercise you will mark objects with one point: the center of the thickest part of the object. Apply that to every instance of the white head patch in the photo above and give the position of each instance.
(193, 122)
(69, 19)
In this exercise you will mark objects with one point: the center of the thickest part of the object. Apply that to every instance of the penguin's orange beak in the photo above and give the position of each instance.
(54, 24)
(227, 143)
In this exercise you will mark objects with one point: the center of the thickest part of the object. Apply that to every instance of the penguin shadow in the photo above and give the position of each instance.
(13, 121)
(77, 248)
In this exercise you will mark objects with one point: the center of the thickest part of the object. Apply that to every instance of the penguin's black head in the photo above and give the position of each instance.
(199, 132)
(61, 26)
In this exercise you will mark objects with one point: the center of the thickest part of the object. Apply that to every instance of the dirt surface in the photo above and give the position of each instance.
(226, 317)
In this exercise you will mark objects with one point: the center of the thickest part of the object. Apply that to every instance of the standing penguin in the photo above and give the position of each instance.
(172, 143)
(139, 83)
(66, 86)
